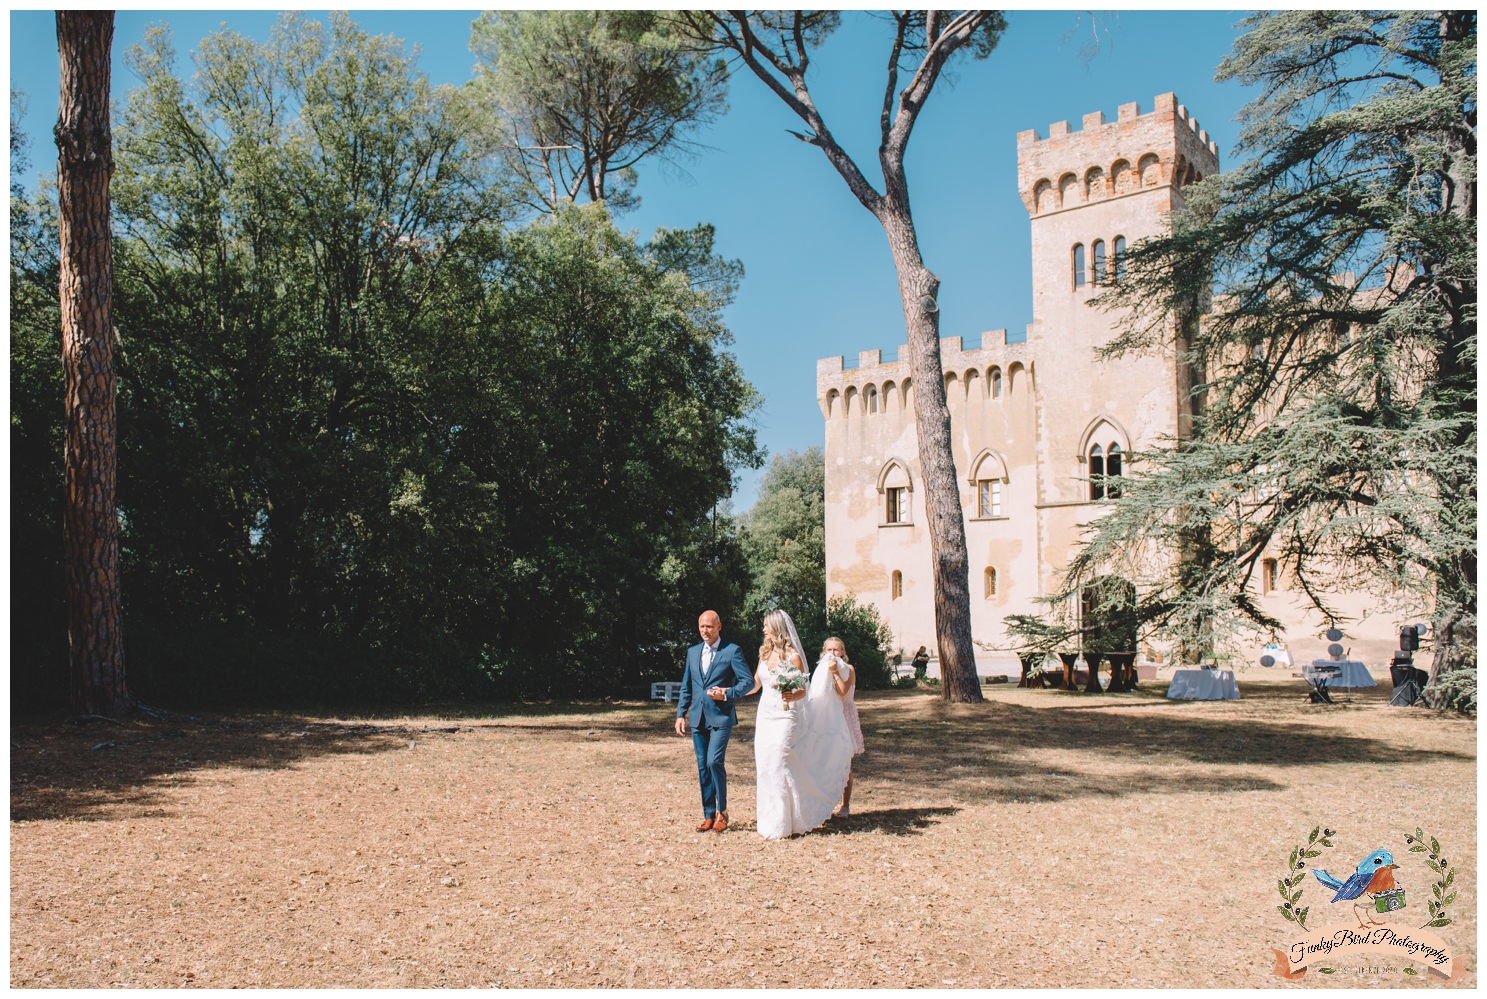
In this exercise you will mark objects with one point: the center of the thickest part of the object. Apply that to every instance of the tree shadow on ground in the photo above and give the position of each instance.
(94, 768)
(1001, 751)
(1066, 745)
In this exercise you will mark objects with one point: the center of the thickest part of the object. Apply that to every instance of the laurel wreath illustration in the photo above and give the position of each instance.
(1290, 885)
(1447, 875)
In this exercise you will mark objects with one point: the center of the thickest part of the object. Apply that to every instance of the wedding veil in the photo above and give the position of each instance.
(795, 639)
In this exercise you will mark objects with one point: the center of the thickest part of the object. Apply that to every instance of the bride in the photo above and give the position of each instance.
(802, 747)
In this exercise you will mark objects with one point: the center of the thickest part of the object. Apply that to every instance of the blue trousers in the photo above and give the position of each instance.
(711, 745)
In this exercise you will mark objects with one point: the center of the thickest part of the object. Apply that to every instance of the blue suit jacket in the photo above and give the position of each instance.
(728, 670)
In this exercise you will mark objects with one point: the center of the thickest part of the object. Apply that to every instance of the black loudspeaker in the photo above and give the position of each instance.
(1409, 639)
(1267, 660)
(1405, 694)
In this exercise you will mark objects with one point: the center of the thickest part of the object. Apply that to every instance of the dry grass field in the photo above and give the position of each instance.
(1041, 839)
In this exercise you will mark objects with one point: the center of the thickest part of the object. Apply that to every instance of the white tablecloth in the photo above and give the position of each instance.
(1204, 685)
(1354, 673)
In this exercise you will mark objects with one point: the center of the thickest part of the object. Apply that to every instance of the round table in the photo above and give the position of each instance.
(1204, 685)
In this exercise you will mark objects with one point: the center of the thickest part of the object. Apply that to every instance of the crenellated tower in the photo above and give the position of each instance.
(1090, 194)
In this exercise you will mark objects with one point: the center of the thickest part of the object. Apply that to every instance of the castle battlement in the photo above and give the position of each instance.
(1103, 160)
(838, 387)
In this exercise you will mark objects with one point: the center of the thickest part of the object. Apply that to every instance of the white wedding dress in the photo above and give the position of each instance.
(802, 755)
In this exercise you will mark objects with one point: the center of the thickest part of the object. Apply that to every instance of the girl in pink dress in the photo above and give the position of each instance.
(834, 658)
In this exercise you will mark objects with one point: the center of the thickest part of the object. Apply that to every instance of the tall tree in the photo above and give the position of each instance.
(579, 97)
(785, 540)
(85, 164)
(1335, 409)
(377, 441)
(776, 47)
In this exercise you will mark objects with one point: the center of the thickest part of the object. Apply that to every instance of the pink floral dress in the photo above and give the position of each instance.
(849, 708)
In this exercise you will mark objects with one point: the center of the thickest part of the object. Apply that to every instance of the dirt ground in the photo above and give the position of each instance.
(1043, 838)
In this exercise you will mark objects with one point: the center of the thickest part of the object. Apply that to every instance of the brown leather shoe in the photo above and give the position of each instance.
(721, 822)
(707, 824)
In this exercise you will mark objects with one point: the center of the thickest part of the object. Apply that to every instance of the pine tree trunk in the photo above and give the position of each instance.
(90, 518)
(947, 536)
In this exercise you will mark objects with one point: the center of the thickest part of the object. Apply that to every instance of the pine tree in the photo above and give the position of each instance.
(91, 520)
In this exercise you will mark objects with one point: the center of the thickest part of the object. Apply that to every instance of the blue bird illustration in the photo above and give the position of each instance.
(1375, 874)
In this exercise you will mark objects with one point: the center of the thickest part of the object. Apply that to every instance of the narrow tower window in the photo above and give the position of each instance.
(1112, 471)
(897, 511)
(1099, 255)
(990, 581)
(996, 384)
(1096, 473)
(1120, 258)
(1269, 575)
(898, 584)
(871, 394)
(1078, 266)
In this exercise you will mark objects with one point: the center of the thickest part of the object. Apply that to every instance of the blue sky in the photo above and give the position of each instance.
(820, 279)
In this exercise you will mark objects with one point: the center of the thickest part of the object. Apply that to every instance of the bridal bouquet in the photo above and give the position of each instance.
(786, 679)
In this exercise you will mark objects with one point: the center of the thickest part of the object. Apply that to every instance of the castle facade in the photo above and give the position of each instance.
(1033, 418)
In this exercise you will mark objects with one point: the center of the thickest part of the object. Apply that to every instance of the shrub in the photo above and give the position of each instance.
(867, 637)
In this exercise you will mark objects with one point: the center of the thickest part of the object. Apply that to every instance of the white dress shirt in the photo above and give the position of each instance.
(708, 653)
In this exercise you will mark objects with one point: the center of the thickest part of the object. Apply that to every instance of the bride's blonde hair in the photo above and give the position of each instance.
(776, 637)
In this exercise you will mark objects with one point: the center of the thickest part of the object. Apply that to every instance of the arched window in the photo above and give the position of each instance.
(1112, 472)
(896, 488)
(871, 395)
(1269, 575)
(898, 584)
(1120, 258)
(1078, 266)
(989, 498)
(1099, 254)
(1096, 473)
(996, 383)
(989, 578)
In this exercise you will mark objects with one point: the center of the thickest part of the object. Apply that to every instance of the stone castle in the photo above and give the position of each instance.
(1032, 418)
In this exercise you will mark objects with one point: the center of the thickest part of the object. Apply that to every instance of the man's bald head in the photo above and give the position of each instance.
(709, 626)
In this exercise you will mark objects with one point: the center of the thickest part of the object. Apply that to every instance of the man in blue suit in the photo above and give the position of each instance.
(716, 676)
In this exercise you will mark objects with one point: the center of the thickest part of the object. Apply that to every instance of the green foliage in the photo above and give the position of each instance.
(784, 538)
(39, 623)
(867, 637)
(577, 98)
(1323, 301)
(375, 441)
